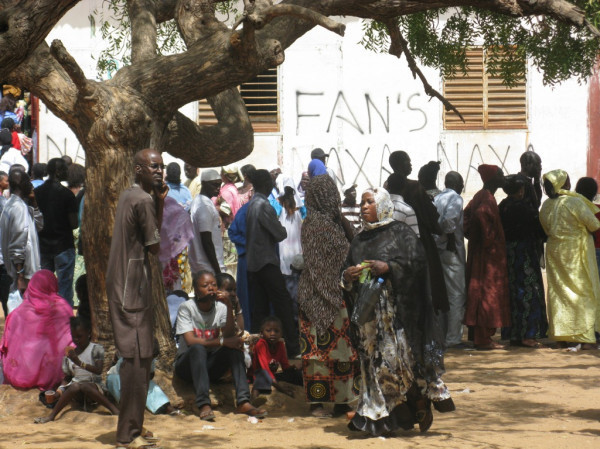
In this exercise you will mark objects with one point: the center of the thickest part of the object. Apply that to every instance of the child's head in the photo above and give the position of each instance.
(81, 331)
(271, 329)
(226, 283)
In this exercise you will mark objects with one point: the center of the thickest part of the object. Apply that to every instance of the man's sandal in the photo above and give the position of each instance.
(248, 409)
(139, 443)
(149, 436)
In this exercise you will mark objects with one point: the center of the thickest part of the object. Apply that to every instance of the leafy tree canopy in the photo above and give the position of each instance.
(439, 38)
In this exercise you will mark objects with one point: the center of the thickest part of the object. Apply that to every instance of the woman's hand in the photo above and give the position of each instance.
(224, 298)
(352, 273)
(378, 267)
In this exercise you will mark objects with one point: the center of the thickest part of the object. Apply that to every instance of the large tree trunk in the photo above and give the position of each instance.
(110, 145)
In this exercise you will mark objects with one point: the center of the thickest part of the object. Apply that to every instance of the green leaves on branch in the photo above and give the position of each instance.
(439, 38)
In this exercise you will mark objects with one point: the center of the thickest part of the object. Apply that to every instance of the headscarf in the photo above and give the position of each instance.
(324, 248)
(558, 178)
(176, 230)
(36, 334)
(316, 168)
(232, 173)
(385, 208)
(487, 171)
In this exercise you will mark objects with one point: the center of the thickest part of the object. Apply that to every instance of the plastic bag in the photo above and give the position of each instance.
(364, 309)
(14, 300)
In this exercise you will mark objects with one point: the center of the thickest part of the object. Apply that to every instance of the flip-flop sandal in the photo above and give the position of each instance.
(207, 415)
(253, 411)
(139, 443)
(149, 435)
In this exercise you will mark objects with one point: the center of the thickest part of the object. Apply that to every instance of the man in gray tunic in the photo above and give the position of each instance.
(129, 287)
(19, 225)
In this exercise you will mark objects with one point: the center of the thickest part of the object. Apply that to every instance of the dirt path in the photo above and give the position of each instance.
(518, 398)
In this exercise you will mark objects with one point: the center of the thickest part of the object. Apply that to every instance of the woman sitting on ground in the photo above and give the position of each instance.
(399, 346)
(35, 334)
(82, 366)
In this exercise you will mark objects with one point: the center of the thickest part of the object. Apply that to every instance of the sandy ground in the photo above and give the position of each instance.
(519, 398)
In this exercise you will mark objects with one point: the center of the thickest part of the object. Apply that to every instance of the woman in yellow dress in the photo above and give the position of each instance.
(573, 283)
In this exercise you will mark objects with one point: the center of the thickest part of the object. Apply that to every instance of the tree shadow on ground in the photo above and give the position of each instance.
(593, 414)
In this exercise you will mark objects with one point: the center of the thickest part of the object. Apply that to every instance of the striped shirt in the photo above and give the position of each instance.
(404, 213)
(352, 214)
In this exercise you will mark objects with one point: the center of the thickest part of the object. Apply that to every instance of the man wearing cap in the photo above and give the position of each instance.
(351, 210)
(488, 305)
(206, 248)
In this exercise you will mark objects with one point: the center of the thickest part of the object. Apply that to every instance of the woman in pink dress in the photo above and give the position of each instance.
(36, 334)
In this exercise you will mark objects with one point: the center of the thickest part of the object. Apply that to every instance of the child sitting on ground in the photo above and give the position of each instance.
(82, 366)
(157, 401)
(226, 285)
(269, 354)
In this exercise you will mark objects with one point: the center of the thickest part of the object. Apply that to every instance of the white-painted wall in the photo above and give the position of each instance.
(334, 94)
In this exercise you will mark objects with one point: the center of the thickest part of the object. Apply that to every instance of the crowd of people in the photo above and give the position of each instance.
(355, 300)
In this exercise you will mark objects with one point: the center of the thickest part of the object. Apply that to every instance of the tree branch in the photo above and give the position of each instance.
(230, 140)
(399, 46)
(47, 79)
(396, 47)
(143, 30)
(68, 63)
(262, 16)
(24, 25)
(164, 10)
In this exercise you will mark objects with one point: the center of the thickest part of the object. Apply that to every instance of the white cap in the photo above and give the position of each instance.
(210, 175)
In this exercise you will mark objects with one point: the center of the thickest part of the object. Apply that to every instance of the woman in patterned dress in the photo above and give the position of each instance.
(400, 347)
(327, 353)
(523, 230)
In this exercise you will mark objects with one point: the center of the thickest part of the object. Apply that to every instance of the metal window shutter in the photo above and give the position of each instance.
(261, 96)
(483, 99)
(506, 106)
(466, 93)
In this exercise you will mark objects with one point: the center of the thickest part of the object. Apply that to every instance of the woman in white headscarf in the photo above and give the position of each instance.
(399, 346)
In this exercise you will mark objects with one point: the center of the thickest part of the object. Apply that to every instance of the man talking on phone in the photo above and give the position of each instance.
(129, 289)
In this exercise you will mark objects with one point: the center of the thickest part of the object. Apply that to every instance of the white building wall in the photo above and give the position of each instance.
(360, 105)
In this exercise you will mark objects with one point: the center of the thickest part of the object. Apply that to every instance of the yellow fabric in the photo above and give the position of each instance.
(8, 89)
(572, 270)
(194, 186)
(558, 179)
